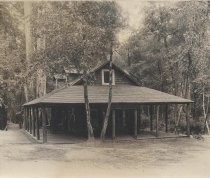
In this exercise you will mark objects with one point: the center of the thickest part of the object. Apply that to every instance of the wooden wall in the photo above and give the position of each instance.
(120, 78)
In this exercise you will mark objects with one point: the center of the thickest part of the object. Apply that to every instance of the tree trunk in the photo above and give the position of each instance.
(106, 119)
(26, 92)
(188, 95)
(205, 112)
(178, 120)
(188, 119)
(28, 43)
(87, 108)
(44, 127)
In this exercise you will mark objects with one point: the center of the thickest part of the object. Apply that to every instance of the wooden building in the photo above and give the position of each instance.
(62, 79)
(134, 109)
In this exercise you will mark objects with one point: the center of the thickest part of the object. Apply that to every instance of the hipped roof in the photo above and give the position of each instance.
(99, 94)
(74, 94)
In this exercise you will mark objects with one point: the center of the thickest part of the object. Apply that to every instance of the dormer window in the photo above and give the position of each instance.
(105, 77)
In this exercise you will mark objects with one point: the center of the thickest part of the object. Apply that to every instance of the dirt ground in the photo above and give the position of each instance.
(181, 157)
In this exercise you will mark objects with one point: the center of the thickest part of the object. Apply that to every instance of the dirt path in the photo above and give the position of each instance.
(13, 136)
(155, 158)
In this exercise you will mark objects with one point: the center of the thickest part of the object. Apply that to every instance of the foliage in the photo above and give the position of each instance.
(171, 50)
(170, 36)
(75, 33)
(78, 33)
(12, 53)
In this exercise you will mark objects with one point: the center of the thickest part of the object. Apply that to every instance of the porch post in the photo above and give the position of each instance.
(166, 117)
(30, 121)
(113, 124)
(152, 107)
(188, 119)
(124, 117)
(149, 112)
(44, 129)
(24, 114)
(33, 123)
(135, 123)
(139, 118)
(27, 120)
(37, 123)
(66, 119)
(157, 118)
(27, 129)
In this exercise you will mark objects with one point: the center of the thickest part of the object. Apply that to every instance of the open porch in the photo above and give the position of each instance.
(136, 113)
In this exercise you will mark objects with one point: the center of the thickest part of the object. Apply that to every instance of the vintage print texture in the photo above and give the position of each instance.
(104, 89)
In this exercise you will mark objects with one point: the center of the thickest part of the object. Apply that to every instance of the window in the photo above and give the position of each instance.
(105, 77)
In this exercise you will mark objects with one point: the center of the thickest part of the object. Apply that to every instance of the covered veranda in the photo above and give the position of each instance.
(136, 112)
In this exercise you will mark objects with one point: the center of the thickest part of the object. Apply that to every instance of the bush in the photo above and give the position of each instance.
(197, 125)
(182, 126)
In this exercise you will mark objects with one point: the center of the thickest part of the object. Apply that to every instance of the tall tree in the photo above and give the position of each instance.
(12, 53)
(76, 33)
(170, 51)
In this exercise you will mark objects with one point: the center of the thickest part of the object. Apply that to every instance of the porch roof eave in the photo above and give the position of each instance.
(99, 95)
(113, 103)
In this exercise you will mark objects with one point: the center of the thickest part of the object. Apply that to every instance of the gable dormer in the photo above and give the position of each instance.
(120, 77)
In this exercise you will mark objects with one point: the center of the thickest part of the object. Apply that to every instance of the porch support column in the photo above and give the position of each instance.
(66, 120)
(152, 107)
(44, 128)
(33, 123)
(188, 119)
(135, 124)
(27, 118)
(113, 124)
(150, 115)
(157, 118)
(37, 123)
(24, 114)
(166, 117)
(139, 118)
(30, 121)
(124, 118)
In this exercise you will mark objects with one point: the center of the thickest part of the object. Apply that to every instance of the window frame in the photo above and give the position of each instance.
(113, 76)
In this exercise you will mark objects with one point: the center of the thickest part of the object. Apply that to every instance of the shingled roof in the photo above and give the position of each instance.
(74, 93)
(99, 94)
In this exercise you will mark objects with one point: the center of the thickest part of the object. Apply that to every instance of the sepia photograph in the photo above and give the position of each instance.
(105, 89)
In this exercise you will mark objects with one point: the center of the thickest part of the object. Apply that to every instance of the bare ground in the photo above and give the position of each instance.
(181, 157)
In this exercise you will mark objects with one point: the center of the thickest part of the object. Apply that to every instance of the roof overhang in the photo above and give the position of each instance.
(121, 94)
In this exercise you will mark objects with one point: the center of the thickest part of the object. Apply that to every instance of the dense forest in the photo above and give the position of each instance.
(169, 52)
